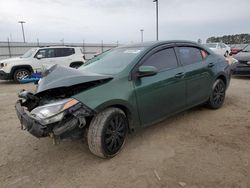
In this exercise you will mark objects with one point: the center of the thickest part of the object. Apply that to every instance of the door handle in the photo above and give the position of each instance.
(179, 75)
(210, 65)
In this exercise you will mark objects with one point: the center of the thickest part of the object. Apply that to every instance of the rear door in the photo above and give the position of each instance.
(198, 74)
(64, 56)
(164, 93)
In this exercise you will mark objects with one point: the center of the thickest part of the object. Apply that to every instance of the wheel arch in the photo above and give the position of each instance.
(222, 77)
(76, 63)
(127, 109)
(14, 68)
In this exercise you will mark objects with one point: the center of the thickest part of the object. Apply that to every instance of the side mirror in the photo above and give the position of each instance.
(39, 56)
(145, 71)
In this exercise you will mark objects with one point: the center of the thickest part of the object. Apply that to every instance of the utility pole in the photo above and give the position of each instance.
(8, 40)
(102, 45)
(38, 42)
(141, 35)
(62, 41)
(157, 20)
(22, 22)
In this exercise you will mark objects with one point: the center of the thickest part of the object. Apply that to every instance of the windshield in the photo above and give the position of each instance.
(211, 45)
(97, 57)
(28, 53)
(113, 61)
(246, 49)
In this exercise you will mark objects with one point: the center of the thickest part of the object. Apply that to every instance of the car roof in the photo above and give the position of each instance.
(58, 47)
(157, 43)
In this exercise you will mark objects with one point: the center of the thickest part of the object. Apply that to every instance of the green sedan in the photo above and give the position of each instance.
(126, 88)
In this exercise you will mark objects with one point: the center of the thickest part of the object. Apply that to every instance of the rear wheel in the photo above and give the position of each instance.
(217, 97)
(107, 133)
(20, 74)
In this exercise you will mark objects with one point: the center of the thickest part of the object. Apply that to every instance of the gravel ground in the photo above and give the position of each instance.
(197, 148)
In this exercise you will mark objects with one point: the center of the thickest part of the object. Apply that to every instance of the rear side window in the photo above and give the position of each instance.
(163, 60)
(190, 55)
(62, 52)
(68, 51)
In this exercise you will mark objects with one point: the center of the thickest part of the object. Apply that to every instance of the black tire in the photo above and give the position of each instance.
(217, 97)
(20, 73)
(107, 133)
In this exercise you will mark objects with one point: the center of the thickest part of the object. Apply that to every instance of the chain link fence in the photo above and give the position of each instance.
(15, 49)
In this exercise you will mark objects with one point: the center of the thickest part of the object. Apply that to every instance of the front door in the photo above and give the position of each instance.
(48, 58)
(164, 93)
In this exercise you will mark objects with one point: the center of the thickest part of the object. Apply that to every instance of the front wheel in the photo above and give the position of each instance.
(217, 97)
(19, 74)
(107, 132)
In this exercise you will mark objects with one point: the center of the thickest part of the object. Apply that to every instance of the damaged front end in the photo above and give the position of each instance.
(62, 118)
(52, 110)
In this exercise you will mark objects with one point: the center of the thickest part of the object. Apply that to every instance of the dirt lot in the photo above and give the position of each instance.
(197, 148)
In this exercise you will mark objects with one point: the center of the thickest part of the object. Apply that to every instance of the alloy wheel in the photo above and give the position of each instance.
(219, 93)
(21, 74)
(114, 134)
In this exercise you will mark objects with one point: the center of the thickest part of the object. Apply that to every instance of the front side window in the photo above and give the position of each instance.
(46, 53)
(163, 60)
(189, 55)
(50, 53)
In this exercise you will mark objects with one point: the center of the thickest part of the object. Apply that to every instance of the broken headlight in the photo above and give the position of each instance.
(54, 112)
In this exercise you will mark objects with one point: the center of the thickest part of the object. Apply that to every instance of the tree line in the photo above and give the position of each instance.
(231, 39)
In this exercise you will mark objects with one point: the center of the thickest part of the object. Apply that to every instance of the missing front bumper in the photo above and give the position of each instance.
(35, 128)
(74, 119)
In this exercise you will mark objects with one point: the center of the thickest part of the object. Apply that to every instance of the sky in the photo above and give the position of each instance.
(121, 20)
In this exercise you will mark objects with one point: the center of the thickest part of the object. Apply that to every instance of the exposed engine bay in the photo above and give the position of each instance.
(31, 100)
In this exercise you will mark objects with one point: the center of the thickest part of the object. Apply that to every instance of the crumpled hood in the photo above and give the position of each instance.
(60, 76)
(242, 56)
(10, 60)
